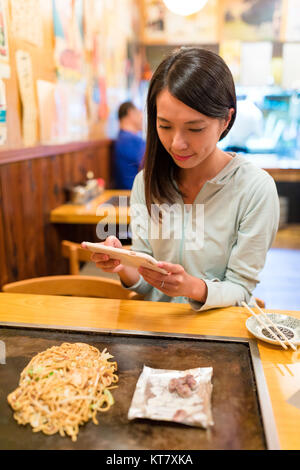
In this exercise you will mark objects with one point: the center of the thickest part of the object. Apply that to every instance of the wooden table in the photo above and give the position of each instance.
(89, 213)
(281, 367)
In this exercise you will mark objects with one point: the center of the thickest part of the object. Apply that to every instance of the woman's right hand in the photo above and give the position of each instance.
(104, 262)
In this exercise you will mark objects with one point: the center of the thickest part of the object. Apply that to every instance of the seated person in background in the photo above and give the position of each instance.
(129, 146)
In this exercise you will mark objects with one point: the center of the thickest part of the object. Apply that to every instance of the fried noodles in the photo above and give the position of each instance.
(63, 387)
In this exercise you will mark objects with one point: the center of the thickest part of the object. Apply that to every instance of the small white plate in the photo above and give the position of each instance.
(289, 325)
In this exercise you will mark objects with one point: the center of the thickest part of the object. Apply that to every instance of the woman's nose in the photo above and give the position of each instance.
(179, 143)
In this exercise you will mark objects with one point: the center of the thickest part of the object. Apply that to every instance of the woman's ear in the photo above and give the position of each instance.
(227, 121)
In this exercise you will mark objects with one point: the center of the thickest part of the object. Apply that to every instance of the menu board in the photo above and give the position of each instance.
(230, 51)
(292, 30)
(26, 86)
(69, 38)
(200, 28)
(26, 21)
(4, 53)
(256, 63)
(291, 66)
(163, 26)
(252, 20)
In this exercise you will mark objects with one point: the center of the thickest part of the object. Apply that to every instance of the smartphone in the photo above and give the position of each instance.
(126, 257)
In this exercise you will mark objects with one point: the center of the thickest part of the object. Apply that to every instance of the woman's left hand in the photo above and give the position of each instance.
(177, 283)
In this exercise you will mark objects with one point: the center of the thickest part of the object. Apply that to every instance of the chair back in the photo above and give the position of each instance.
(74, 253)
(71, 285)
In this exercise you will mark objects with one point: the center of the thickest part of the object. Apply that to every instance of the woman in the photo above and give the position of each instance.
(234, 205)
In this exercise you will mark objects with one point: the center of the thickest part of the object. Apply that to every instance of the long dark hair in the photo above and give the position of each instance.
(201, 80)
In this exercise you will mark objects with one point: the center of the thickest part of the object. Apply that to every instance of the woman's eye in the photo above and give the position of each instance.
(195, 130)
(164, 127)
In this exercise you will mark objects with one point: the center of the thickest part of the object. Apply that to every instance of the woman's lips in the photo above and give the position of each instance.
(182, 158)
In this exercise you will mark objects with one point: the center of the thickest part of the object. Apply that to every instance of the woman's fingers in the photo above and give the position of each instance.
(111, 263)
(113, 241)
(167, 283)
(109, 266)
(160, 281)
(105, 262)
(98, 257)
(171, 268)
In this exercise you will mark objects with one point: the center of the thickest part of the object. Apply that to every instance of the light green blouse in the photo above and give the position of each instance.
(223, 238)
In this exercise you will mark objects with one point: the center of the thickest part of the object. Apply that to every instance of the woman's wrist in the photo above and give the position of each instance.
(197, 290)
(129, 276)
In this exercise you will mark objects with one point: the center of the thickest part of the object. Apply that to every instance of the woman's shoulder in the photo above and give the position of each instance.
(139, 181)
(251, 175)
(138, 188)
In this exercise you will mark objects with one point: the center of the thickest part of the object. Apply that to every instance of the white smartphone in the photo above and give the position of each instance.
(126, 257)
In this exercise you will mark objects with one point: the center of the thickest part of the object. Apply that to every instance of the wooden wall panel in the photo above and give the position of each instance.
(30, 245)
(3, 254)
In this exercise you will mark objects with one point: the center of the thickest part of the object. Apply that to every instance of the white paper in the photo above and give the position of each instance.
(27, 22)
(4, 70)
(256, 60)
(291, 66)
(26, 85)
(153, 398)
(293, 21)
(4, 53)
(47, 113)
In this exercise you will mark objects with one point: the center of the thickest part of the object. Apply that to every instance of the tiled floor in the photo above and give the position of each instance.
(280, 279)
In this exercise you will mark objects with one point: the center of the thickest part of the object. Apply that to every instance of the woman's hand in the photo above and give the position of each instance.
(177, 283)
(106, 263)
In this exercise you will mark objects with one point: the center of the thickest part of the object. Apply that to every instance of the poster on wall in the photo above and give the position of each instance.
(292, 29)
(4, 52)
(256, 64)
(89, 24)
(27, 21)
(71, 111)
(291, 67)
(163, 26)
(28, 98)
(252, 20)
(69, 38)
(47, 111)
(201, 27)
(154, 20)
(230, 51)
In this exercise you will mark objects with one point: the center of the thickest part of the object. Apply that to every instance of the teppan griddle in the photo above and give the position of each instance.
(241, 406)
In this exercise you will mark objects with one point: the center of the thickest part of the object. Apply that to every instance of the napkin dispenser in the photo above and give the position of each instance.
(83, 193)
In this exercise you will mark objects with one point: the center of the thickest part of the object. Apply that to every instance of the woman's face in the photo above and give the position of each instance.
(189, 136)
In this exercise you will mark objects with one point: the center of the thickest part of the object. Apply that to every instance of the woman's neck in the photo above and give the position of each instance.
(205, 171)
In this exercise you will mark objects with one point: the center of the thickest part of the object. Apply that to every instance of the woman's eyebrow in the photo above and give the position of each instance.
(162, 119)
(197, 121)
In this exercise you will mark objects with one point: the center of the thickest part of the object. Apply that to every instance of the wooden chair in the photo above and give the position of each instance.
(75, 254)
(72, 285)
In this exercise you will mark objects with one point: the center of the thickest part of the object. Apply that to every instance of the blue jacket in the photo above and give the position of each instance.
(129, 150)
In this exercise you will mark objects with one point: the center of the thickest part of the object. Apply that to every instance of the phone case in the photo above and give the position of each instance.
(127, 257)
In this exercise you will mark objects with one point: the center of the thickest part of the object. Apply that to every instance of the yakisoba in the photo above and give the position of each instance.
(63, 387)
